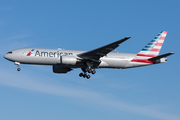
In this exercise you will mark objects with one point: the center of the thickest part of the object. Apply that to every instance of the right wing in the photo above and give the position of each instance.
(102, 51)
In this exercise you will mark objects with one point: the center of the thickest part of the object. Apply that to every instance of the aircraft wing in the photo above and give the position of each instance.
(102, 51)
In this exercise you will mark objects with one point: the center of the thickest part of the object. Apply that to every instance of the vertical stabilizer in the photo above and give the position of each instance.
(153, 48)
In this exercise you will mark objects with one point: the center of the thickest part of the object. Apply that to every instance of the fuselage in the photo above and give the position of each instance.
(39, 56)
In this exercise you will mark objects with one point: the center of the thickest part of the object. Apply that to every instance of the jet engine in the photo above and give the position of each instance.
(68, 60)
(59, 69)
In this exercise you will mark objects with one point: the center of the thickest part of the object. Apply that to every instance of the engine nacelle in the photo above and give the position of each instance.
(59, 69)
(162, 60)
(68, 60)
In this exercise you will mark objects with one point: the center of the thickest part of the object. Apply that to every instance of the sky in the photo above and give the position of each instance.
(150, 92)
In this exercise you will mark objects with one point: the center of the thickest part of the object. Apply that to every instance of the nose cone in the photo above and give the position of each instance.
(8, 57)
(5, 56)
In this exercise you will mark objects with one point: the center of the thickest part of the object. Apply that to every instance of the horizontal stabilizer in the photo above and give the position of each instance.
(161, 56)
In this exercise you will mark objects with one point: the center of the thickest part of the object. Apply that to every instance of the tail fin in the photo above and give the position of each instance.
(153, 48)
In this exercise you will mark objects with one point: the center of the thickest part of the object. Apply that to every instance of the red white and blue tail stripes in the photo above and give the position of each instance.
(153, 48)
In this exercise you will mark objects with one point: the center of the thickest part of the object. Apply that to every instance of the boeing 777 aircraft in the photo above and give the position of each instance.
(64, 61)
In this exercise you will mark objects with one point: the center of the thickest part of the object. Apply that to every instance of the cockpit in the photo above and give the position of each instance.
(8, 55)
(10, 52)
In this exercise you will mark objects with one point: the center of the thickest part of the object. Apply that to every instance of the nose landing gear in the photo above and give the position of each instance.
(18, 65)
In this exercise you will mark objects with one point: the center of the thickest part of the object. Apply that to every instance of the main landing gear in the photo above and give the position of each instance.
(18, 65)
(85, 70)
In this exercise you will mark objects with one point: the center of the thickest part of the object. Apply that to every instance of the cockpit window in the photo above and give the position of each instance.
(9, 52)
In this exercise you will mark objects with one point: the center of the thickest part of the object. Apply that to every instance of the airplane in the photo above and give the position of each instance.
(63, 61)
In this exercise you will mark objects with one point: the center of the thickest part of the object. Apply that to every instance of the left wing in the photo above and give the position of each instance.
(102, 51)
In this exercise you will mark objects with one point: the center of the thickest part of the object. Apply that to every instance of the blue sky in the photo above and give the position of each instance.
(150, 93)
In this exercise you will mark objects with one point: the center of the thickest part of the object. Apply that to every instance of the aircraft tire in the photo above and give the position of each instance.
(89, 71)
(85, 70)
(93, 72)
(88, 76)
(84, 75)
(81, 74)
(18, 69)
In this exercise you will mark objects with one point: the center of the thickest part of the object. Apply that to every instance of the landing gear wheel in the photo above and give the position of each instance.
(85, 70)
(84, 75)
(81, 74)
(18, 69)
(89, 71)
(93, 72)
(88, 76)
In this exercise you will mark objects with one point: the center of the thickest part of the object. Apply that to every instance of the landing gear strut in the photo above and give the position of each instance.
(18, 65)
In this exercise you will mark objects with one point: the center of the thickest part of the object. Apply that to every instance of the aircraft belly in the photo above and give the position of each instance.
(113, 63)
(136, 64)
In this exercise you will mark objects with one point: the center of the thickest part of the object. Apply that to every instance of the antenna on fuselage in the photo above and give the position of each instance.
(59, 49)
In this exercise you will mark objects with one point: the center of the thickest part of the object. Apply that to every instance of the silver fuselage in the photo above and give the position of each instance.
(53, 57)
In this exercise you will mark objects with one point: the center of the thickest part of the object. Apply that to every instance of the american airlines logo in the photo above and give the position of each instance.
(30, 52)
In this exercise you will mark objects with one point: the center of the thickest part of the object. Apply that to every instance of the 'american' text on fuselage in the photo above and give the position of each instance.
(51, 54)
